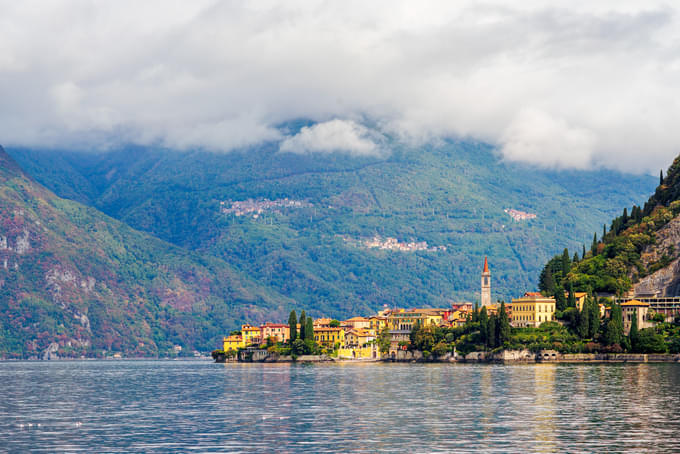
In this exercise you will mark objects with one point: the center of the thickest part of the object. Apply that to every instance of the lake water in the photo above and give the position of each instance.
(187, 406)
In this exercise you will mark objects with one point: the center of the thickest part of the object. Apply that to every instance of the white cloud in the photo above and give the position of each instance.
(535, 137)
(561, 83)
(331, 136)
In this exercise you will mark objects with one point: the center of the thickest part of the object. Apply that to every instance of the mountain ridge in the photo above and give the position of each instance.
(74, 281)
(451, 195)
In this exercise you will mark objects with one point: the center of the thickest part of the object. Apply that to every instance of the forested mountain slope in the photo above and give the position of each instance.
(322, 222)
(639, 250)
(81, 283)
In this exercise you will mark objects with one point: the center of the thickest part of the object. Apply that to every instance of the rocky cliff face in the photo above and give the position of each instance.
(666, 281)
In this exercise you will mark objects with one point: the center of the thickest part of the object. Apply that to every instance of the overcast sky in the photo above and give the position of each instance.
(564, 84)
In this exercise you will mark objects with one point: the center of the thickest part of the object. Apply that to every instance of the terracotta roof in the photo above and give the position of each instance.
(356, 319)
(486, 265)
(635, 303)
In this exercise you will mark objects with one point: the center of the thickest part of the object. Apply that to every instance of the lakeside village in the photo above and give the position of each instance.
(530, 327)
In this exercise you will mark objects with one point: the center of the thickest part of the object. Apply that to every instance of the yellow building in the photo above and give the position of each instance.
(251, 334)
(377, 323)
(358, 337)
(233, 342)
(401, 322)
(358, 322)
(367, 352)
(532, 309)
(328, 336)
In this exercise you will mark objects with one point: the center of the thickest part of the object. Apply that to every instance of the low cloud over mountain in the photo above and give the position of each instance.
(559, 84)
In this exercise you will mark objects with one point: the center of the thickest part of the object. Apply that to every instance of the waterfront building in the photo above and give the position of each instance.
(358, 323)
(251, 334)
(532, 309)
(377, 323)
(401, 322)
(329, 336)
(233, 342)
(486, 284)
(277, 331)
(358, 337)
(629, 309)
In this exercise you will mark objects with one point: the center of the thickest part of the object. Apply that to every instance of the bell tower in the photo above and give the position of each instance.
(486, 284)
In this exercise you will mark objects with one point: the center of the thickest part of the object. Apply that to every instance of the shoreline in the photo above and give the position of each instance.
(503, 357)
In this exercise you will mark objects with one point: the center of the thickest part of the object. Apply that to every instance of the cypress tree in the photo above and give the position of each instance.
(583, 320)
(303, 324)
(560, 300)
(292, 326)
(571, 302)
(614, 330)
(491, 332)
(483, 322)
(503, 325)
(549, 282)
(583, 254)
(593, 247)
(661, 177)
(574, 261)
(634, 334)
(309, 329)
(593, 318)
(566, 263)
(625, 216)
(604, 231)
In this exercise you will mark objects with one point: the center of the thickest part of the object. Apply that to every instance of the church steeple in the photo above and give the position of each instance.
(486, 284)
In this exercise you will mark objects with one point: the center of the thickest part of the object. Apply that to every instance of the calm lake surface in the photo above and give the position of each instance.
(198, 406)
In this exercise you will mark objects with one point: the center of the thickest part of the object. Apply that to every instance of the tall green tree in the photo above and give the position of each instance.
(583, 319)
(303, 324)
(547, 284)
(583, 254)
(574, 260)
(593, 318)
(571, 301)
(566, 263)
(593, 247)
(309, 329)
(560, 300)
(383, 340)
(491, 332)
(503, 325)
(614, 328)
(483, 322)
(661, 177)
(634, 333)
(292, 326)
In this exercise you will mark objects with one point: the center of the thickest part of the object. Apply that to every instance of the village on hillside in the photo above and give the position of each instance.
(391, 331)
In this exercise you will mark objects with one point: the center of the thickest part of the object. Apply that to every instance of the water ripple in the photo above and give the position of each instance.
(196, 406)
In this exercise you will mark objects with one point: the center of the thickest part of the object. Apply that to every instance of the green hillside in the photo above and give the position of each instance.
(91, 285)
(635, 245)
(451, 196)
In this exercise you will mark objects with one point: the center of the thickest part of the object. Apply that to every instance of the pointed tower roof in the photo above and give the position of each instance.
(486, 265)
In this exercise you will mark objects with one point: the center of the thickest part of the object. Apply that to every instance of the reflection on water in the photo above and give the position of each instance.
(161, 406)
